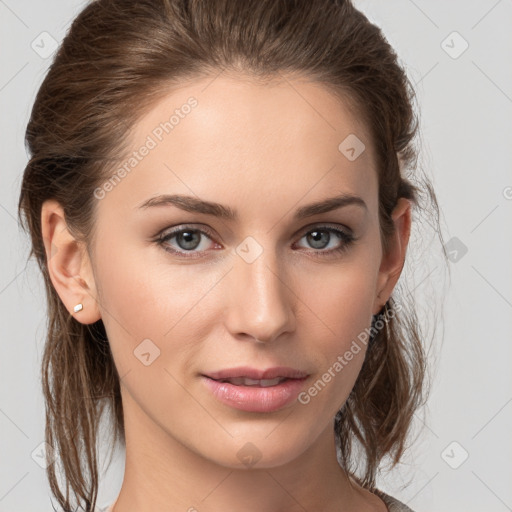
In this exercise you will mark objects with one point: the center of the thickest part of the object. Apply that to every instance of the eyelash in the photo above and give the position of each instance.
(346, 238)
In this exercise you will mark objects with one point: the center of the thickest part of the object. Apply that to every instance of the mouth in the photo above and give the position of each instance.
(252, 390)
(246, 381)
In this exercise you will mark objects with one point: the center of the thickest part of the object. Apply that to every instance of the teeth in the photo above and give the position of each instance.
(245, 381)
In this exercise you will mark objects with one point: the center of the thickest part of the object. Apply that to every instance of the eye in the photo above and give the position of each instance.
(187, 239)
(191, 242)
(320, 238)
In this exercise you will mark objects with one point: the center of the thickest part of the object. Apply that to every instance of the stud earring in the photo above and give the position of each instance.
(78, 307)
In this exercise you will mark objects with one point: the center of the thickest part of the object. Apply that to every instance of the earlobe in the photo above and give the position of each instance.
(393, 261)
(68, 265)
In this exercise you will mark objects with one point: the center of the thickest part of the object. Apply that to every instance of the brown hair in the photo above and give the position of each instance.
(117, 59)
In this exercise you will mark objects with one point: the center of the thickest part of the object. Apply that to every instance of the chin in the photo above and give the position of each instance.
(259, 448)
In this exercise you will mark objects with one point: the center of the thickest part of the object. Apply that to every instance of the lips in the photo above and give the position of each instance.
(246, 381)
(252, 390)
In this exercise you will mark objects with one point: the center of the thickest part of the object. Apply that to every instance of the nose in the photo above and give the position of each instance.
(261, 302)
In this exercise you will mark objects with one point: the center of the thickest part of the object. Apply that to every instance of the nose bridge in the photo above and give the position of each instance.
(261, 301)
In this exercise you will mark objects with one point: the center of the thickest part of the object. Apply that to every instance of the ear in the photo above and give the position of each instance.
(69, 266)
(393, 261)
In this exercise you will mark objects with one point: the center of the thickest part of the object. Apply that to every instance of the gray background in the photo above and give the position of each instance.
(466, 118)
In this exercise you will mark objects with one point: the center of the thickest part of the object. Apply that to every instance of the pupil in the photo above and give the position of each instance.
(188, 238)
(317, 236)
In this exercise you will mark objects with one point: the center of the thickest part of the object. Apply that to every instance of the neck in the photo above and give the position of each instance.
(161, 475)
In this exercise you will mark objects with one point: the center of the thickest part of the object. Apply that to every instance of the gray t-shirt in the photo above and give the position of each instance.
(392, 503)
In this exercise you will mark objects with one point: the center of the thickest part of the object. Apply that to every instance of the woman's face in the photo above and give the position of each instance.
(259, 280)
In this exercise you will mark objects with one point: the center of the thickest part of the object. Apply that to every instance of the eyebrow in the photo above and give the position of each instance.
(195, 205)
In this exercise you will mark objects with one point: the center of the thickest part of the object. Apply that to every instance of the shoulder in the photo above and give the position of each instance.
(392, 503)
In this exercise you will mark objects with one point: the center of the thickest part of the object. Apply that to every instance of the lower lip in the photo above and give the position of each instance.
(255, 398)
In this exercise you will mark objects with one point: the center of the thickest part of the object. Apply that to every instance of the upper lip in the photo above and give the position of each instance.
(254, 373)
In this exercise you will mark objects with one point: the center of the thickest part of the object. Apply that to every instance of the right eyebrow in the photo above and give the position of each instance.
(191, 204)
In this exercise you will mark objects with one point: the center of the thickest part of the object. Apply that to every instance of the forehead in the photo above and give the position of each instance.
(235, 106)
(223, 132)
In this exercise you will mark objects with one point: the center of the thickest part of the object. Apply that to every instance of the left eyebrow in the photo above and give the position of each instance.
(328, 205)
(195, 205)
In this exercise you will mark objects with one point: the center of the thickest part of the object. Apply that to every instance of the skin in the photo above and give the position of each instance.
(263, 150)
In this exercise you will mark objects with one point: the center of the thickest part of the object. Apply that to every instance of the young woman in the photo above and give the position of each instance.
(217, 199)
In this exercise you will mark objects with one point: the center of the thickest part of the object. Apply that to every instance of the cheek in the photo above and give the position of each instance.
(153, 321)
(142, 297)
(342, 301)
(342, 296)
